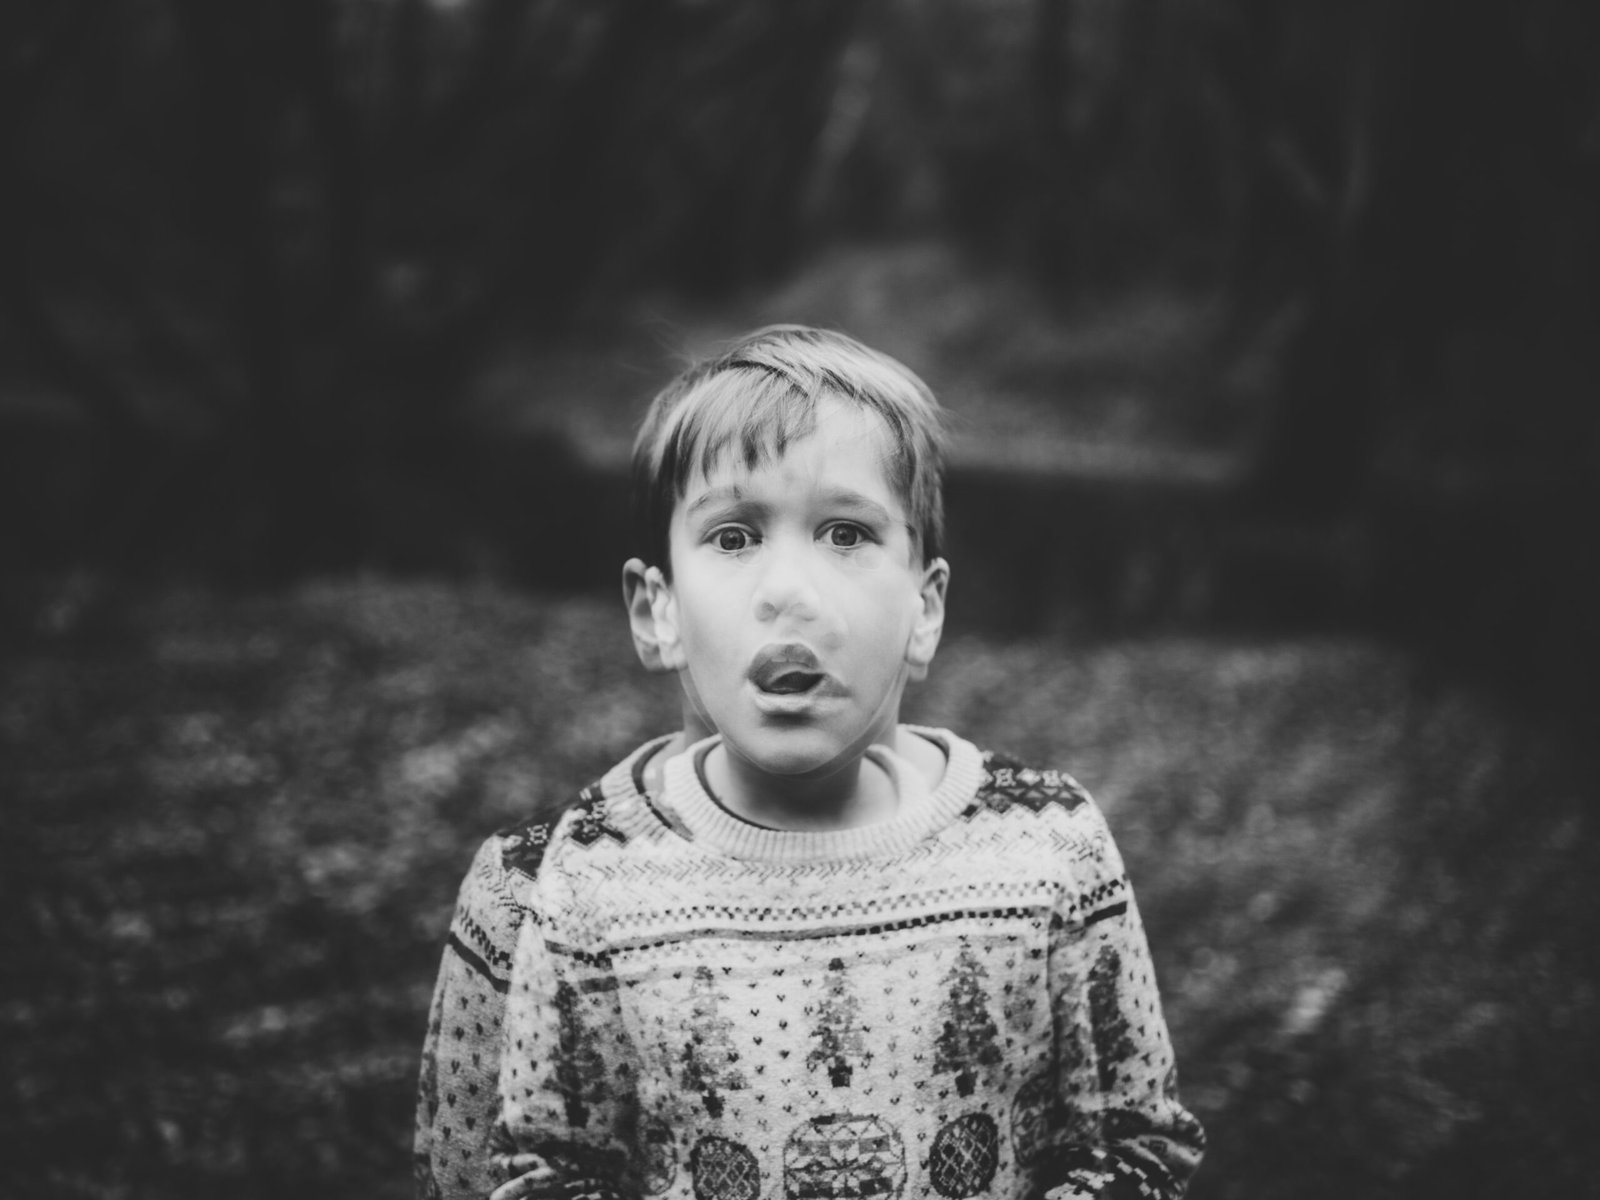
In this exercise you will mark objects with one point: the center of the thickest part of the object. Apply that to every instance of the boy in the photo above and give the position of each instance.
(799, 950)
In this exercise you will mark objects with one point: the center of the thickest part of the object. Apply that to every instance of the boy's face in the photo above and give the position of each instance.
(798, 607)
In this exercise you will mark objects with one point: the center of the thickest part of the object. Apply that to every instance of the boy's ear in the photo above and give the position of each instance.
(652, 616)
(929, 626)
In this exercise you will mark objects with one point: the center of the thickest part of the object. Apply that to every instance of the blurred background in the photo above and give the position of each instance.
(1270, 333)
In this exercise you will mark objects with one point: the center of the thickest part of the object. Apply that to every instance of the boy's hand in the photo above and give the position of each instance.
(530, 1174)
(549, 1177)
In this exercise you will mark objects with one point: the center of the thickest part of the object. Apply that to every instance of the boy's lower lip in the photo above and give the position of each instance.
(794, 703)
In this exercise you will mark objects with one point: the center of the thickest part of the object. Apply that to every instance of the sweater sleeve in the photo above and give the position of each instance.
(456, 1094)
(1121, 1130)
(567, 1084)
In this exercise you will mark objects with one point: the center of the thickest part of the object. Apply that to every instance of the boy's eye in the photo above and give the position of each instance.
(731, 539)
(845, 536)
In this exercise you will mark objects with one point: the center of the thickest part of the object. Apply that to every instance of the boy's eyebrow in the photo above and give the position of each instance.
(721, 494)
(731, 493)
(855, 499)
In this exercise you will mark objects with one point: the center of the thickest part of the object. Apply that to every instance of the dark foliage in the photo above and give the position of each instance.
(259, 256)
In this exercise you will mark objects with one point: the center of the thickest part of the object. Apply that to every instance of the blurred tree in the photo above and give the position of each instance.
(273, 239)
(264, 245)
(1424, 195)
(1422, 203)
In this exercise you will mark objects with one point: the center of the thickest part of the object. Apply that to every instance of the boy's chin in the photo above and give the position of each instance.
(793, 755)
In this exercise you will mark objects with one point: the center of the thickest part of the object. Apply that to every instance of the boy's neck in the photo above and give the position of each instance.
(838, 804)
(695, 729)
(859, 793)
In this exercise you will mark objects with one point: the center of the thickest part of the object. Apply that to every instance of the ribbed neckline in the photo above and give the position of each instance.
(628, 803)
(711, 826)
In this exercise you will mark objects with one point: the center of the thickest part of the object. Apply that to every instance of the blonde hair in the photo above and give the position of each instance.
(758, 396)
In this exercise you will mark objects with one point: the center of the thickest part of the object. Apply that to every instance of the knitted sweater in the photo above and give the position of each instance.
(651, 997)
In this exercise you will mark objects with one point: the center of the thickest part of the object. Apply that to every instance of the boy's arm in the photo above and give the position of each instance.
(567, 1079)
(1122, 1130)
(457, 1096)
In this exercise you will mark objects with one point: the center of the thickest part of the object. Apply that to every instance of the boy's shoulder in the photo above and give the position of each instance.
(1060, 821)
(1009, 782)
(584, 819)
(590, 815)
(501, 888)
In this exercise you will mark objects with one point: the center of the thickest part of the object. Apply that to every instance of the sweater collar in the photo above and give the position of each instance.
(921, 813)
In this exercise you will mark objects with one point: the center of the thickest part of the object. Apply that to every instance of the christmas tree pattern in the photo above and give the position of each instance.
(837, 1036)
(709, 1058)
(1112, 1045)
(578, 1075)
(969, 1039)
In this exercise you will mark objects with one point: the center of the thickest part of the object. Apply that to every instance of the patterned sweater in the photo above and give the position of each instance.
(651, 997)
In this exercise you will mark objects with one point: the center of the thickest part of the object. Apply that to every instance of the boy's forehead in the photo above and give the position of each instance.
(837, 429)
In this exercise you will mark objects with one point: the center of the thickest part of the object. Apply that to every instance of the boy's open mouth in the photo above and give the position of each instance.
(786, 670)
(790, 683)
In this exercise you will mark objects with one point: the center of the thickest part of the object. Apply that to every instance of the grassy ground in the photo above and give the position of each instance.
(233, 828)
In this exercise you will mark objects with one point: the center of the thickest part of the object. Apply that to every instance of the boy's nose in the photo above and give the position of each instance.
(786, 589)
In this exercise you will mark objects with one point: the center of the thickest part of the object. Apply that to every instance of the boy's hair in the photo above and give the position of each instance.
(759, 395)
